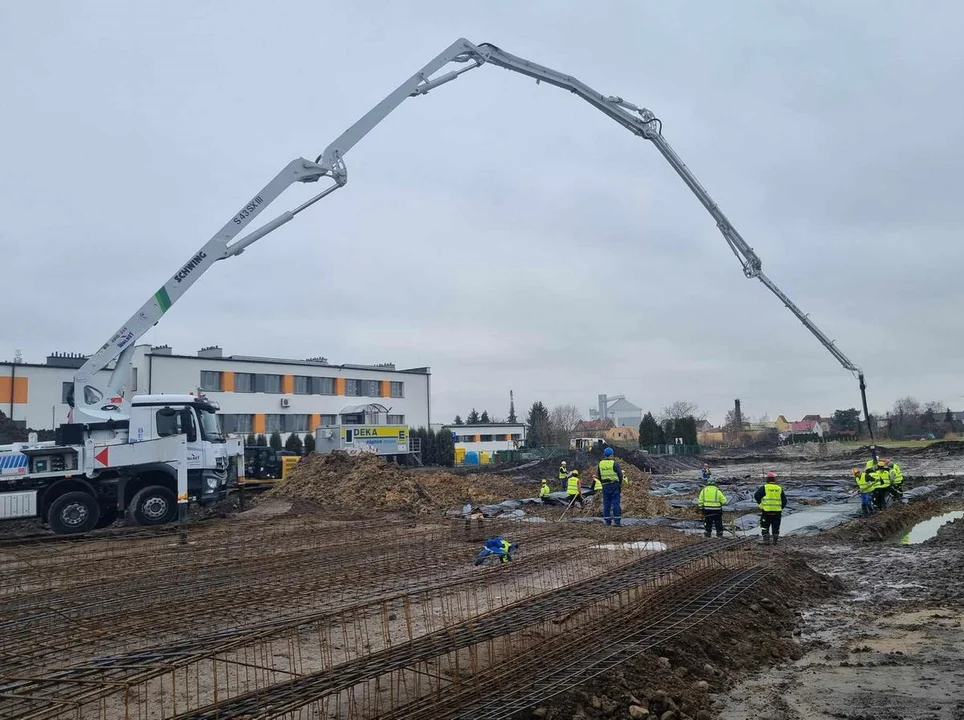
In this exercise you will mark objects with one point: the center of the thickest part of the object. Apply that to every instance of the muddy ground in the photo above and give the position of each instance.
(890, 646)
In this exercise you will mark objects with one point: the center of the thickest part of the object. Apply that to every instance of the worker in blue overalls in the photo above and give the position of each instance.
(497, 546)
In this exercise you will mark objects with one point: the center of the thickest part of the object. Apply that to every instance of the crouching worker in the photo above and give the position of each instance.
(496, 547)
(711, 502)
(544, 492)
(771, 499)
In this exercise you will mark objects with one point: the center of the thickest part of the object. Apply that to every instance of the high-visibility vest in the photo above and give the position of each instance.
(596, 484)
(897, 474)
(607, 471)
(882, 476)
(711, 498)
(573, 487)
(863, 484)
(544, 491)
(771, 501)
(563, 473)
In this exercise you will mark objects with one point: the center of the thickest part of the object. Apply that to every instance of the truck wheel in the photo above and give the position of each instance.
(73, 512)
(154, 505)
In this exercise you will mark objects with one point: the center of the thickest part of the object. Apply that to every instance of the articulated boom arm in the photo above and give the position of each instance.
(330, 163)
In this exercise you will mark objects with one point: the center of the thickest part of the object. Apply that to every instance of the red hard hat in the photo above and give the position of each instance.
(771, 476)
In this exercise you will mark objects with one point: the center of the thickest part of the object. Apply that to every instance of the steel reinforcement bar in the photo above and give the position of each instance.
(27, 694)
(521, 686)
(290, 695)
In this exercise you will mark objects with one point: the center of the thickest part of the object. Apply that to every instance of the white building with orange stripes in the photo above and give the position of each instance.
(256, 394)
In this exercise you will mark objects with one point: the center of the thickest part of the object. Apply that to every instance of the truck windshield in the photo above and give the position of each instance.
(210, 427)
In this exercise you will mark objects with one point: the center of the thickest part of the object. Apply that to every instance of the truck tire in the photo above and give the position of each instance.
(154, 505)
(73, 512)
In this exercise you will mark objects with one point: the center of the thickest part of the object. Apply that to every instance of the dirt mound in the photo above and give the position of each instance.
(681, 676)
(359, 483)
(9, 432)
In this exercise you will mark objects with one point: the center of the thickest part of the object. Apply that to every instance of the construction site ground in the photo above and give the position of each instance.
(351, 592)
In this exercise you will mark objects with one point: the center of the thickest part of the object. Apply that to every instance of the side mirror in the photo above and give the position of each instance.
(167, 412)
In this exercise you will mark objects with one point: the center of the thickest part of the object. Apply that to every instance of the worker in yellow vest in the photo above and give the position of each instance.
(771, 499)
(866, 486)
(574, 489)
(611, 477)
(883, 488)
(544, 492)
(896, 477)
(711, 502)
(563, 474)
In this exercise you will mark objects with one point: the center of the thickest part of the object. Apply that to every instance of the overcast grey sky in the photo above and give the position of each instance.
(506, 234)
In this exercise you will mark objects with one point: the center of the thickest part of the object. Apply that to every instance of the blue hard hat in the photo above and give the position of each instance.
(607, 452)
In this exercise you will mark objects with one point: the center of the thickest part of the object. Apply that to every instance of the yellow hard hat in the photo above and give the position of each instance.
(575, 472)
(544, 481)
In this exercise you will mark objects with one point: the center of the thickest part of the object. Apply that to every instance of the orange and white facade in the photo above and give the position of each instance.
(255, 394)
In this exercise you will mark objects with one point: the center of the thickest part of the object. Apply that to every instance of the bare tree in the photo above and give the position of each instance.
(906, 406)
(681, 409)
(937, 407)
(563, 420)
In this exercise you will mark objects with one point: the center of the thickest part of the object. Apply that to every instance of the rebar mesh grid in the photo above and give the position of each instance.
(298, 617)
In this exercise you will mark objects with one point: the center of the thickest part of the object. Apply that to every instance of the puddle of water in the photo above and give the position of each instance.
(640, 545)
(928, 528)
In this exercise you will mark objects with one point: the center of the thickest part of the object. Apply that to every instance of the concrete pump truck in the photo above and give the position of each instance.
(145, 453)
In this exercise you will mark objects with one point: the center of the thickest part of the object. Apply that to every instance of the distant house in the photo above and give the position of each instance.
(704, 426)
(782, 424)
(624, 434)
(806, 427)
(593, 428)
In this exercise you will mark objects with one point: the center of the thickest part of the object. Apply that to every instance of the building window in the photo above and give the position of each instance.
(356, 419)
(244, 382)
(396, 419)
(329, 420)
(296, 423)
(302, 385)
(322, 386)
(211, 380)
(516, 436)
(353, 387)
(485, 438)
(237, 423)
(65, 390)
(397, 389)
(273, 423)
(371, 388)
(268, 383)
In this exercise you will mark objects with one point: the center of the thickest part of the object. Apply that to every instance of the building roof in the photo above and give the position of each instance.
(802, 425)
(486, 425)
(595, 424)
(623, 406)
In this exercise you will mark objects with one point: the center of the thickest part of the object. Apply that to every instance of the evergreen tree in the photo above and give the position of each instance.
(660, 434)
(512, 417)
(294, 444)
(473, 418)
(540, 428)
(275, 440)
(446, 448)
(251, 440)
(649, 431)
(458, 420)
(484, 417)
(309, 444)
(949, 420)
(261, 441)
